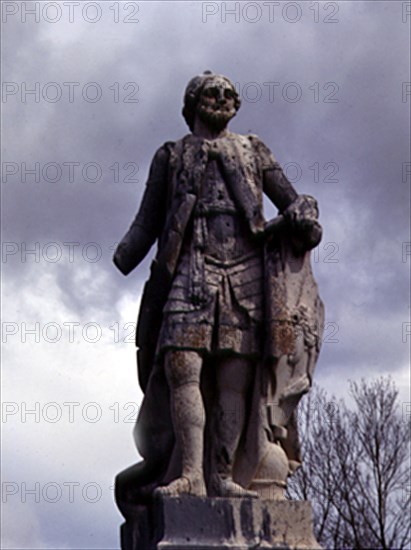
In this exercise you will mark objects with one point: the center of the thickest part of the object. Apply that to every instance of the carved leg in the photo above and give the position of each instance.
(234, 377)
(183, 369)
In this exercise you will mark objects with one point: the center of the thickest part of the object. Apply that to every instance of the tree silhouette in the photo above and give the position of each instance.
(356, 469)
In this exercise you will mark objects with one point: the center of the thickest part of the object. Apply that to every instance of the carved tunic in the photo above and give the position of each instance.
(216, 300)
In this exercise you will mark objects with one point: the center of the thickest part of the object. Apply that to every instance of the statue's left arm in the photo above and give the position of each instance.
(299, 211)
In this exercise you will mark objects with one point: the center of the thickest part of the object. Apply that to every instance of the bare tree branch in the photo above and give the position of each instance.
(356, 469)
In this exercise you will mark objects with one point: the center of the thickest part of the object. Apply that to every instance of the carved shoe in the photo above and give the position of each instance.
(224, 486)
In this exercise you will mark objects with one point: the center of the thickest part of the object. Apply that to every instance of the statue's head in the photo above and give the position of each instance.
(213, 98)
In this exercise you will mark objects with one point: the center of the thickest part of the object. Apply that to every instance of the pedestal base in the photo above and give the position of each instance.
(193, 523)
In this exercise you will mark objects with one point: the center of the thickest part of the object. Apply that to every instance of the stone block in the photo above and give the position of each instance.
(193, 523)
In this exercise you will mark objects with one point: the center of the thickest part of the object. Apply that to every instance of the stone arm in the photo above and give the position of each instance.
(277, 187)
(149, 221)
(299, 211)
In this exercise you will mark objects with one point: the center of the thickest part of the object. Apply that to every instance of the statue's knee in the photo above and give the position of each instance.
(182, 367)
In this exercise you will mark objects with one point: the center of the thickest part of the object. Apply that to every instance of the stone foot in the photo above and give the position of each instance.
(183, 486)
(227, 488)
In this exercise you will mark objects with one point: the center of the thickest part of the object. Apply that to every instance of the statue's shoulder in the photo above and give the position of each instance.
(258, 149)
(173, 147)
(163, 153)
(166, 148)
(263, 152)
(250, 140)
(170, 152)
(255, 141)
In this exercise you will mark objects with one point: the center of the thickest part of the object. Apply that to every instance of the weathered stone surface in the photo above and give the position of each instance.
(229, 333)
(185, 522)
(230, 322)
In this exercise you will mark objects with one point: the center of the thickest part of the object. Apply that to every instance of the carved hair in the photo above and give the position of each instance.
(193, 92)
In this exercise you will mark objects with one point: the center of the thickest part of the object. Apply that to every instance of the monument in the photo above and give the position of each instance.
(228, 336)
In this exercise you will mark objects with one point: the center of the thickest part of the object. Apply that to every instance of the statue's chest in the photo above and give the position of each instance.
(214, 195)
(219, 223)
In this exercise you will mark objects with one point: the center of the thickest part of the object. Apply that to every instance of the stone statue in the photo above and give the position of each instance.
(230, 322)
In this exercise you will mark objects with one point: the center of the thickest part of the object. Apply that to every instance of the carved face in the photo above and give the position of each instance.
(216, 106)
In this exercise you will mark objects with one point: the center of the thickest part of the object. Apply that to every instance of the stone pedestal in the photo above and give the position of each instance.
(194, 523)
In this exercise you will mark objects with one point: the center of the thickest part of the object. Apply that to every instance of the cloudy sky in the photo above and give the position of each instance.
(324, 85)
